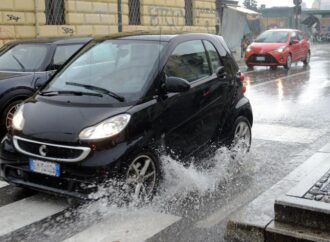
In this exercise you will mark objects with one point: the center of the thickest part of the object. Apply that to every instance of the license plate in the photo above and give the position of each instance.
(45, 167)
(261, 58)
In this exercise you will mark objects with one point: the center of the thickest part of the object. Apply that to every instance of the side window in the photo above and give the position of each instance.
(64, 52)
(294, 36)
(213, 55)
(300, 36)
(188, 61)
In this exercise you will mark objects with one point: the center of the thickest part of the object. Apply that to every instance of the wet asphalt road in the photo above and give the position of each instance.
(291, 121)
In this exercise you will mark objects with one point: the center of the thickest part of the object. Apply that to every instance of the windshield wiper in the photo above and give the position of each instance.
(19, 62)
(75, 93)
(98, 89)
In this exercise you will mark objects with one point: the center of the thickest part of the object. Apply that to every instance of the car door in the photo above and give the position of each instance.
(295, 47)
(303, 45)
(188, 115)
(215, 96)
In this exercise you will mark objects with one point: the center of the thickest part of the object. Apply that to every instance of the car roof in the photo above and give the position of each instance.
(55, 40)
(152, 36)
(287, 30)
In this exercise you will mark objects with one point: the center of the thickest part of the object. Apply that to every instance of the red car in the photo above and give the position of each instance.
(278, 47)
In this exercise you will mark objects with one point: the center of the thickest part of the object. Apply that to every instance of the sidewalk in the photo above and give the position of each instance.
(256, 221)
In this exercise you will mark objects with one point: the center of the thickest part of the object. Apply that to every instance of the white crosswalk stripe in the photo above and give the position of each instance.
(286, 133)
(3, 184)
(27, 211)
(127, 226)
(31, 213)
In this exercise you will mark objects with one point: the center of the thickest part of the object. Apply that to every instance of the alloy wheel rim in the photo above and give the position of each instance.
(243, 136)
(10, 115)
(141, 177)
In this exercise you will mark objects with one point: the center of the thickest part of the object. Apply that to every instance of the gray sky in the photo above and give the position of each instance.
(272, 3)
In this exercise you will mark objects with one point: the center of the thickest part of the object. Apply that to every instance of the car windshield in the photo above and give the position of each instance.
(121, 67)
(273, 37)
(24, 57)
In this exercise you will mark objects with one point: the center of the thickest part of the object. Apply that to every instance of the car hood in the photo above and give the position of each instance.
(10, 75)
(265, 47)
(60, 122)
(15, 75)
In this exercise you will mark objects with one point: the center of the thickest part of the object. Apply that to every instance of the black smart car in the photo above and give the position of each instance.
(26, 65)
(119, 101)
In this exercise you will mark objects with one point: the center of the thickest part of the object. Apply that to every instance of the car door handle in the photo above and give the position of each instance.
(206, 92)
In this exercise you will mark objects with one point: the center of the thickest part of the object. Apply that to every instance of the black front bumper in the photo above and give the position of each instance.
(21, 176)
(77, 179)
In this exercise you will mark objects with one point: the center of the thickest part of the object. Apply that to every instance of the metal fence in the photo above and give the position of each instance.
(134, 15)
(54, 12)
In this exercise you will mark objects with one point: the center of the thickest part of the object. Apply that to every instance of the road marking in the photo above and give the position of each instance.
(28, 211)
(279, 78)
(224, 212)
(126, 226)
(3, 184)
(325, 149)
(287, 133)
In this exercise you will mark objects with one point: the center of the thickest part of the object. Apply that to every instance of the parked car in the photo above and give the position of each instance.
(119, 101)
(27, 65)
(278, 47)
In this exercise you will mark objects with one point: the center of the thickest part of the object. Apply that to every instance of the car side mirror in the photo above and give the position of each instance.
(221, 72)
(176, 84)
(39, 83)
(295, 41)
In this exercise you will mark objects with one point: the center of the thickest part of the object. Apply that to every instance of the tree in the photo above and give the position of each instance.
(251, 4)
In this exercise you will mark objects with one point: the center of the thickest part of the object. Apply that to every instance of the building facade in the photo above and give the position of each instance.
(277, 17)
(22, 19)
(321, 4)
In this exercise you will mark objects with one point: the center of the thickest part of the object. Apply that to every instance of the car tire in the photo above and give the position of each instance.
(8, 113)
(288, 62)
(142, 176)
(273, 68)
(307, 59)
(241, 134)
(250, 67)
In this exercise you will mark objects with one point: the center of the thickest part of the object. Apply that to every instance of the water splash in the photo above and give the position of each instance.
(181, 183)
(185, 189)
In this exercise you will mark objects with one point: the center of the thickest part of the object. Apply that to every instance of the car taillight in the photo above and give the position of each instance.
(243, 88)
(93, 147)
(242, 78)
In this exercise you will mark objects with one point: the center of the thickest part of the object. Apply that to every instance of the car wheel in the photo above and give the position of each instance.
(250, 67)
(273, 67)
(307, 59)
(8, 114)
(242, 135)
(142, 176)
(288, 62)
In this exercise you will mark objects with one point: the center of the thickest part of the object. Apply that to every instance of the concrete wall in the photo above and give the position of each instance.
(21, 19)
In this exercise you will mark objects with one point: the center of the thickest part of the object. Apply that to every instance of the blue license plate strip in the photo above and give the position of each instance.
(45, 167)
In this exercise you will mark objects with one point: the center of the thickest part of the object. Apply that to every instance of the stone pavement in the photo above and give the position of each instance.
(296, 203)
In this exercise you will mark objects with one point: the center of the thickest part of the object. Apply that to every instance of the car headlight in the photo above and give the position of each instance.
(248, 49)
(281, 49)
(18, 119)
(106, 128)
